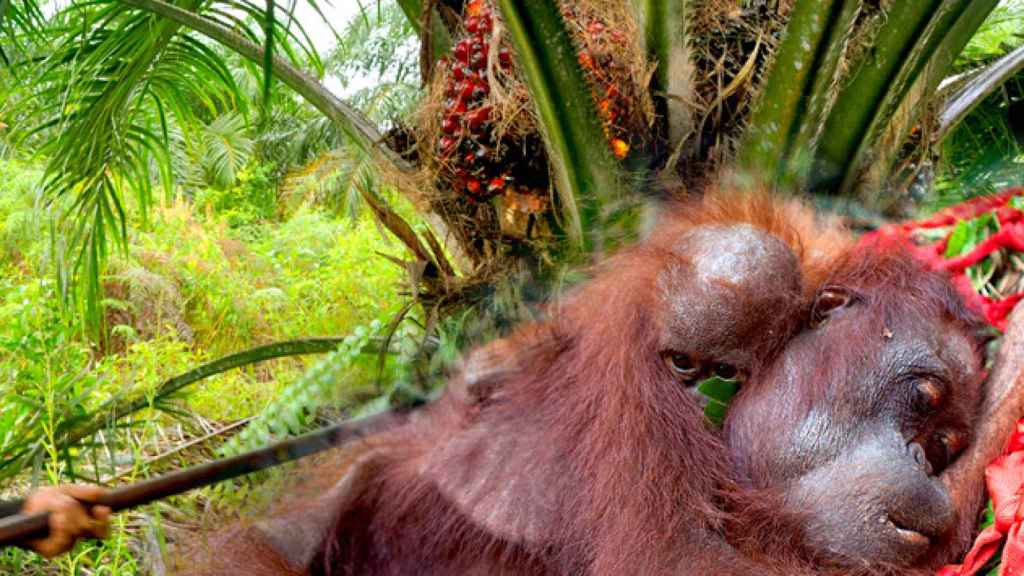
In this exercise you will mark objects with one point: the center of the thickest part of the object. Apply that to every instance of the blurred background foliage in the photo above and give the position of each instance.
(986, 152)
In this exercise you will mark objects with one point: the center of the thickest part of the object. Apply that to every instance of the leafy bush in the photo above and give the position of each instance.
(19, 226)
(251, 199)
(315, 274)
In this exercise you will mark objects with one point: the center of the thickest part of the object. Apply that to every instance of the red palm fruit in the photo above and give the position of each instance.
(612, 91)
(472, 24)
(478, 117)
(449, 125)
(447, 145)
(459, 73)
(618, 37)
(465, 90)
(478, 61)
(461, 51)
(620, 148)
(586, 61)
(475, 7)
(473, 185)
(505, 57)
(496, 184)
(595, 28)
(485, 24)
(458, 107)
(480, 90)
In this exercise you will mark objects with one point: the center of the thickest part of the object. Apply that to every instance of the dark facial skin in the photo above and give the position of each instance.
(864, 411)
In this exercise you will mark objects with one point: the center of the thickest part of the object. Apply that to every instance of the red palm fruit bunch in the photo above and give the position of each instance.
(467, 144)
(603, 70)
(479, 156)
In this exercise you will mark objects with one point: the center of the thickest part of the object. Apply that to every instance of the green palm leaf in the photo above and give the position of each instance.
(227, 148)
(118, 81)
(795, 97)
(127, 79)
(664, 23)
(588, 180)
(20, 20)
(915, 36)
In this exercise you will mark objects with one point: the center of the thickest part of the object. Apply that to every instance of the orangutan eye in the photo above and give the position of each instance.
(954, 445)
(683, 365)
(941, 453)
(929, 393)
(726, 371)
(941, 449)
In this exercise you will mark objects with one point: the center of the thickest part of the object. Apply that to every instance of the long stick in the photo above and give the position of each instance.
(21, 527)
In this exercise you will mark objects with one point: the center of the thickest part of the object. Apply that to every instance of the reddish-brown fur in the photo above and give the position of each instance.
(578, 453)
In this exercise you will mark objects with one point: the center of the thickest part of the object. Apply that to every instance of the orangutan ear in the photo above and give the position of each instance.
(829, 300)
(504, 476)
(298, 535)
(482, 371)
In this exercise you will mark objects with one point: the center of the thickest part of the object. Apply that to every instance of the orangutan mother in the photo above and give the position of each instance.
(578, 445)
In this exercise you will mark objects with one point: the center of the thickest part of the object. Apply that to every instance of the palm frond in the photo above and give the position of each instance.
(916, 37)
(588, 179)
(795, 98)
(665, 30)
(226, 148)
(20, 21)
(440, 39)
(117, 82)
(975, 90)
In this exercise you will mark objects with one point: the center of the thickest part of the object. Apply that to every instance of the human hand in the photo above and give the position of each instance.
(71, 517)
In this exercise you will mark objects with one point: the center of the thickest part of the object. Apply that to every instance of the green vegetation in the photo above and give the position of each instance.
(985, 153)
(229, 218)
(201, 280)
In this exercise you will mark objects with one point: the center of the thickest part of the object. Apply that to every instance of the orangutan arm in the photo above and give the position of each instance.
(1002, 406)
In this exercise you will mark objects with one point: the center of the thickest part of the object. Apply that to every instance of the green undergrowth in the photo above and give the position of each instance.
(202, 278)
(985, 153)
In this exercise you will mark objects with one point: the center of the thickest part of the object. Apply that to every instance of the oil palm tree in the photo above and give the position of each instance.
(821, 96)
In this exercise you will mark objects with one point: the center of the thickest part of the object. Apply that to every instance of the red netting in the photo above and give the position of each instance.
(1010, 237)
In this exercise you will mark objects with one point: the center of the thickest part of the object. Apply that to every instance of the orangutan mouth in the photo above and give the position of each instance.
(910, 537)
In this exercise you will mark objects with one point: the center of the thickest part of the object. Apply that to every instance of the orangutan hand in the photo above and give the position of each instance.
(70, 517)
